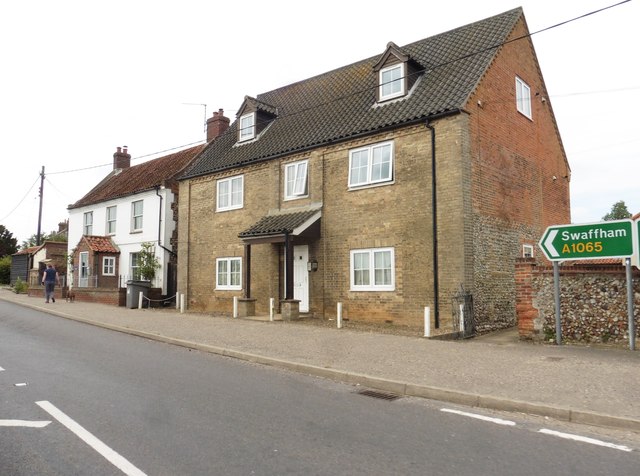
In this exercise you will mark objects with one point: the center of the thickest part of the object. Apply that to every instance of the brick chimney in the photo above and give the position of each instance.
(121, 159)
(217, 125)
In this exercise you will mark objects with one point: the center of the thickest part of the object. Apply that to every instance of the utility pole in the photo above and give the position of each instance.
(40, 211)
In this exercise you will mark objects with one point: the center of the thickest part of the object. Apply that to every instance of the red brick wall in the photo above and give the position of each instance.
(515, 158)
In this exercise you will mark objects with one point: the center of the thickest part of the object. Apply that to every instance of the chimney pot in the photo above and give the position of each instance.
(121, 159)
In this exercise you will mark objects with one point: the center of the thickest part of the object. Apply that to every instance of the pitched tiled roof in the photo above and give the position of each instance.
(139, 178)
(341, 104)
(28, 251)
(100, 244)
(278, 224)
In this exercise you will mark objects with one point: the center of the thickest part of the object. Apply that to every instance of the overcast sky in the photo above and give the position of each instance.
(80, 78)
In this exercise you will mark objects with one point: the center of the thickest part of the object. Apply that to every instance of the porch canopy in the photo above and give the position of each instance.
(280, 228)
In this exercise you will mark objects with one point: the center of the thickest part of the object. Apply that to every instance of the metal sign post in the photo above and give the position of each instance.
(556, 292)
(632, 327)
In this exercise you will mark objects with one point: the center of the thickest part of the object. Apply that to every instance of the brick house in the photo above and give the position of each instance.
(387, 185)
(107, 227)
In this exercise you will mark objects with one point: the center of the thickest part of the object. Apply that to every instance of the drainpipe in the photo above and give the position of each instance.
(434, 214)
(160, 224)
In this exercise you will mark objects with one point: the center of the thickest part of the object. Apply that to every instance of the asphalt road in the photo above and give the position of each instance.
(79, 400)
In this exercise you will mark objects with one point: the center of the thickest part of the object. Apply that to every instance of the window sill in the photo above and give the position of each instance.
(353, 188)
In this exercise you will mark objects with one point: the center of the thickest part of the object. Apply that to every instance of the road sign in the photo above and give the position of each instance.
(607, 239)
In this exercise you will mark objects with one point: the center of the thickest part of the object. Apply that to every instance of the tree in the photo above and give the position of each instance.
(8, 244)
(619, 211)
(53, 236)
(148, 261)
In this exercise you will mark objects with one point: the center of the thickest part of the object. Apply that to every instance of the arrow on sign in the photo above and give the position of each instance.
(549, 244)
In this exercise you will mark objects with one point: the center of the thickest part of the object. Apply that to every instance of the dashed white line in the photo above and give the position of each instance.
(114, 458)
(498, 421)
(584, 439)
(1, 369)
(24, 423)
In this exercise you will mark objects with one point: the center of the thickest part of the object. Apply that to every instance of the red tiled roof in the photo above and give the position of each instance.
(139, 178)
(28, 251)
(100, 244)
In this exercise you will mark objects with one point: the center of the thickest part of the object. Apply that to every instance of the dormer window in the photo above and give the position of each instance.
(247, 127)
(392, 82)
(397, 73)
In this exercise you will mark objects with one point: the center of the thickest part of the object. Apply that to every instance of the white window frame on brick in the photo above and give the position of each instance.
(137, 215)
(391, 82)
(365, 165)
(229, 274)
(296, 178)
(247, 127)
(87, 223)
(112, 215)
(527, 251)
(523, 98)
(230, 193)
(108, 265)
(365, 271)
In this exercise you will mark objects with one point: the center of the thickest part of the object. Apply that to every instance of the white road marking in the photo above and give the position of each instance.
(498, 421)
(23, 384)
(24, 423)
(1, 369)
(114, 458)
(584, 439)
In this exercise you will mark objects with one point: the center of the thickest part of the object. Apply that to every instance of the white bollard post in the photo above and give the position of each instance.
(140, 296)
(272, 305)
(427, 322)
(177, 301)
(182, 304)
(235, 307)
(462, 318)
(339, 317)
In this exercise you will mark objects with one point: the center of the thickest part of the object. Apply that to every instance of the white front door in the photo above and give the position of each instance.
(301, 276)
(83, 272)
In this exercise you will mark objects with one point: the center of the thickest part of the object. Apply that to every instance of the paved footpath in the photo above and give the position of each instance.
(591, 385)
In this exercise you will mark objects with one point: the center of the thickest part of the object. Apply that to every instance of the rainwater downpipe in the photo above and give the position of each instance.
(160, 224)
(434, 215)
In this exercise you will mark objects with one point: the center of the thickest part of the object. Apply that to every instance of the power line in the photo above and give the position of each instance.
(22, 200)
(134, 158)
(340, 98)
(447, 63)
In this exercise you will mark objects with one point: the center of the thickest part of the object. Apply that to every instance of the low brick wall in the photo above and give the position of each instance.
(593, 302)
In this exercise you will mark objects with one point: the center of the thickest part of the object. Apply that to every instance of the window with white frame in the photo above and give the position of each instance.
(111, 220)
(373, 269)
(392, 82)
(523, 97)
(230, 193)
(527, 251)
(87, 223)
(371, 165)
(295, 178)
(109, 266)
(137, 209)
(229, 273)
(134, 266)
(247, 129)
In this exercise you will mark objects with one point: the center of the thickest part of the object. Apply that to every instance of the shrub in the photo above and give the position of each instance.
(5, 270)
(20, 287)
